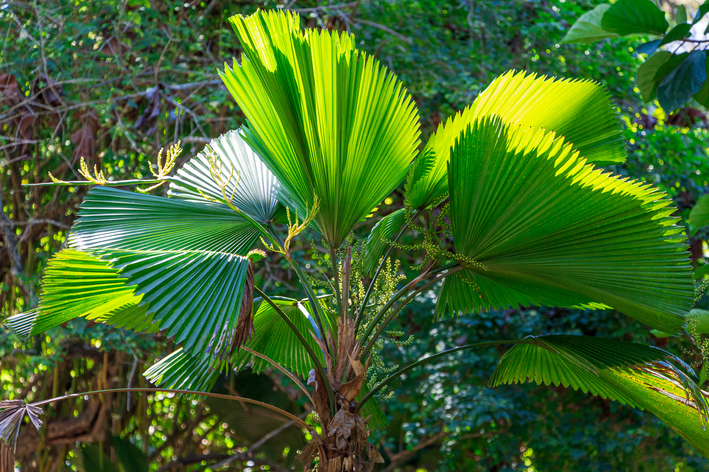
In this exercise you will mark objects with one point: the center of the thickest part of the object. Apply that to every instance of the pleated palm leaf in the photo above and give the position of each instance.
(516, 215)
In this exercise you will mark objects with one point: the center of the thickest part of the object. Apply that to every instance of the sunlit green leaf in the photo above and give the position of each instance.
(636, 375)
(528, 214)
(328, 120)
(580, 111)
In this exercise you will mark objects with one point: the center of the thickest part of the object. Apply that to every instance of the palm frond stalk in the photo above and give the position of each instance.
(515, 213)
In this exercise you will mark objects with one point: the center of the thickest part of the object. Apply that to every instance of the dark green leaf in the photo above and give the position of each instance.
(183, 371)
(681, 84)
(703, 9)
(681, 14)
(649, 47)
(634, 16)
(274, 338)
(94, 459)
(647, 73)
(678, 32)
(130, 457)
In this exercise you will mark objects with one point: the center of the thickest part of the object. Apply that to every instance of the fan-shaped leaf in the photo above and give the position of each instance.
(633, 374)
(529, 215)
(385, 230)
(581, 111)
(326, 119)
(634, 16)
(256, 191)
(183, 371)
(112, 218)
(76, 284)
(180, 256)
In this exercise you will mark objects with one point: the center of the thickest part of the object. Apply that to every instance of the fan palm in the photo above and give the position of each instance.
(506, 197)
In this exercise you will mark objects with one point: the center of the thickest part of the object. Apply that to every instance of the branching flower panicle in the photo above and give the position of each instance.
(98, 178)
(163, 170)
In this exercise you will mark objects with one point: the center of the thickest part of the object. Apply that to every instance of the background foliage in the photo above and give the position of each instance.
(114, 81)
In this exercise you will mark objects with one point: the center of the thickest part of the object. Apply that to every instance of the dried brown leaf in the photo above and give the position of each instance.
(84, 138)
(245, 326)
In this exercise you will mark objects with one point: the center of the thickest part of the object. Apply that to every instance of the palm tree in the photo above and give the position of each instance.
(506, 198)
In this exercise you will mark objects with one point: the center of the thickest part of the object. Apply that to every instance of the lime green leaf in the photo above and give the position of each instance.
(587, 28)
(634, 16)
(274, 338)
(528, 214)
(633, 374)
(701, 271)
(681, 84)
(76, 284)
(699, 320)
(659, 334)
(699, 216)
(647, 74)
(328, 120)
(256, 191)
(580, 111)
(385, 230)
(183, 371)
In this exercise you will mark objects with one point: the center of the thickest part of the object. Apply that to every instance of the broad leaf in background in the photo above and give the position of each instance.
(530, 215)
(581, 111)
(633, 374)
(328, 120)
(93, 459)
(648, 47)
(587, 28)
(255, 193)
(130, 457)
(682, 83)
(699, 216)
(647, 76)
(634, 16)
(677, 33)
